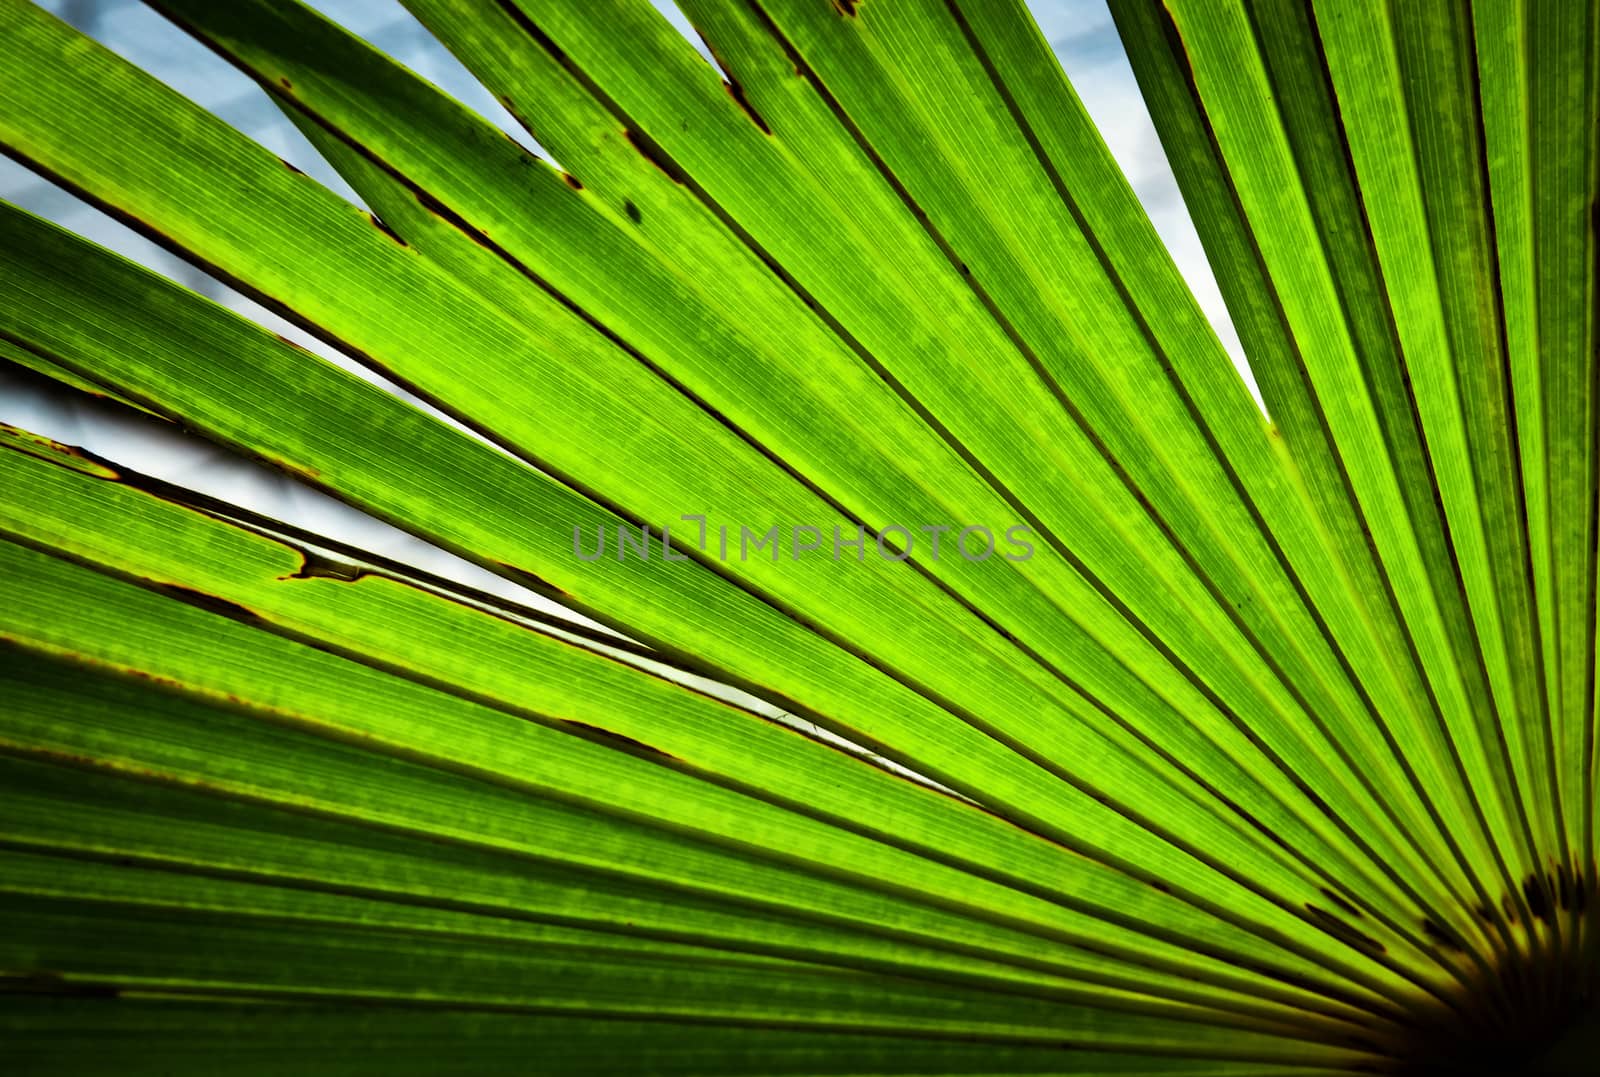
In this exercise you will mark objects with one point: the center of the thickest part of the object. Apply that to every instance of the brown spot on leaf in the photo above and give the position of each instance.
(302, 472)
(1441, 935)
(314, 566)
(50, 982)
(736, 91)
(530, 580)
(1344, 906)
(60, 454)
(633, 212)
(523, 157)
(386, 230)
(290, 167)
(572, 181)
(1338, 928)
(207, 601)
(847, 8)
(613, 739)
(1533, 892)
(652, 153)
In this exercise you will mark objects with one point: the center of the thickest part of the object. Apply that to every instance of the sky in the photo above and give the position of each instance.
(1080, 31)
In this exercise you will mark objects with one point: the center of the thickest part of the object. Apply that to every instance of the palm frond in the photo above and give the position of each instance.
(1003, 691)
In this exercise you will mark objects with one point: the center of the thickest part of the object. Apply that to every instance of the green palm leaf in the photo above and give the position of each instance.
(1013, 697)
